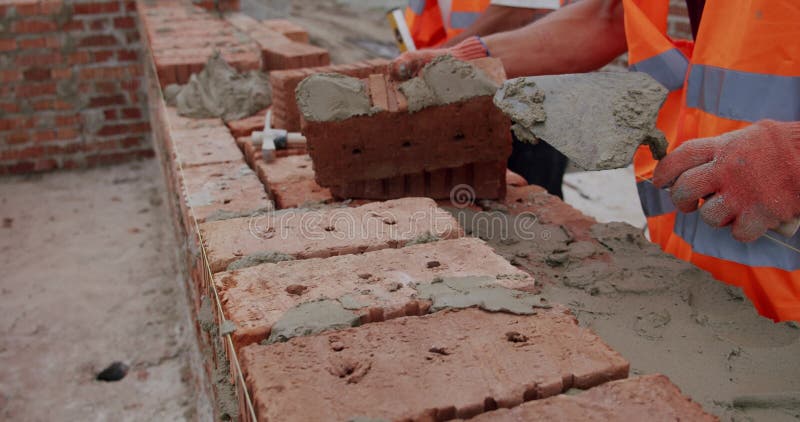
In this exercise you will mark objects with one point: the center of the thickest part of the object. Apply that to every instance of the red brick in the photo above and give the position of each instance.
(418, 142)
(117, 99)
(131, 113)
(98, 40)
(650, 397)
(452, 364)
(483, 180)
(255, 298)
(205, 146)
(123, 128)
(246, 126)
(548, 209)
(127, 55)
(290, 180)
(288, 29)
(285, 113)
(8, 45)
(32, 43)
(33, 26)
(125, 22)
(317, 234)
(220, 191)
(96, 8)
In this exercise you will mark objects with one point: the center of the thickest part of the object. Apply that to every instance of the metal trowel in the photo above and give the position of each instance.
(598, 120)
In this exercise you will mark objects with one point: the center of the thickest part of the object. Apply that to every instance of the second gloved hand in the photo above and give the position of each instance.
(408, 64)
(749, 178)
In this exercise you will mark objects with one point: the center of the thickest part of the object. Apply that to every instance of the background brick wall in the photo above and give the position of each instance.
(71, 92)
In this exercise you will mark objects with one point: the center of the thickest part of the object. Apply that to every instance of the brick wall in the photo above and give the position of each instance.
(678, 21)
(71, 92)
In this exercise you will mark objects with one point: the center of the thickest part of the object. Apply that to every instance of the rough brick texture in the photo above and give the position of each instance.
(383, 281)
(280, 51)
(464, 183)
(435, 367)
(181, 37)
(223, 190)
(290, 181)
(647, 398)
(360, 149)
(71, 92)
(285, 114)
(318, 234)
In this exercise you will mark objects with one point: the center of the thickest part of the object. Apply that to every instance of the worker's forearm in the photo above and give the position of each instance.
(498, 19)
(581, 37)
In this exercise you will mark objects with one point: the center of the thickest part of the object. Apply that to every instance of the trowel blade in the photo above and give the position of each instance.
(597, 120)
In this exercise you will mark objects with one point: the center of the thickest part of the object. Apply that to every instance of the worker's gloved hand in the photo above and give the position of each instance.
(750, 177)
(408, 64)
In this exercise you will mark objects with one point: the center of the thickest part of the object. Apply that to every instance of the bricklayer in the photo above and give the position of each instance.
(317, 234)
(361, 148)
(285, 114)
(435, 367)
(382, 282)
(646, 398)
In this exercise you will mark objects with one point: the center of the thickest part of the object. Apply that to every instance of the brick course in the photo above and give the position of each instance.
(70, 85)
(317, 234)
(650, 397)
(437, 367)
(255, 298)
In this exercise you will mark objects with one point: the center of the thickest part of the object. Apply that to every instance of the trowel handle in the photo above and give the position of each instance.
(789, 228)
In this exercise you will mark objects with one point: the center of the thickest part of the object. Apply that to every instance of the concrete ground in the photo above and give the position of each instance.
(89, 278)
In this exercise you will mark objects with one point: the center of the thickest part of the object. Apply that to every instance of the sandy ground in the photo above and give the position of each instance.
(89, 278)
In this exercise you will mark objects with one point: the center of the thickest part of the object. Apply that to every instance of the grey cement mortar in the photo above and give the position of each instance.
(220, 91)
(663, 314)
(227, 215)
(446, 80)
(312, 318)
(423, 238)
(478, 291)
(227, 405)
(596, 119)
(257, 259)
(325, 97)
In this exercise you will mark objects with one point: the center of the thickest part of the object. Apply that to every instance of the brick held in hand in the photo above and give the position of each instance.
(393, 142)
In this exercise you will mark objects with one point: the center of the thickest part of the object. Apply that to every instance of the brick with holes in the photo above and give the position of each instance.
(447, 365)
(470, 137)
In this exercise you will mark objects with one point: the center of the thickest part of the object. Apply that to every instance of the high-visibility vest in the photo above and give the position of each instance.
(743, 67)
(429, 28)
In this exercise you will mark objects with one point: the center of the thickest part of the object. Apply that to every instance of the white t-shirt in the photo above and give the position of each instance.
(527, 4)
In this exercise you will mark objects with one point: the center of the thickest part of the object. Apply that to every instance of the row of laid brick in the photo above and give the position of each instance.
(181, 37)
(423, 366)
(283, 44)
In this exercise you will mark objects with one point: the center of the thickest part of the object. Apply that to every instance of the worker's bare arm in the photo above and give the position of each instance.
(498, 19)
(581, 37)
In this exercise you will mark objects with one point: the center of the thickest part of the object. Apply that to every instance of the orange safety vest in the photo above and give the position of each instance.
(427, 25)
(743, 67)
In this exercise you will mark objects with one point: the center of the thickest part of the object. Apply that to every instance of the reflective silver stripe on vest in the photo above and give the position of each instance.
(654, 201)
(719, 243)
(668, 68)
(417, 6)
(743, 96)
(461, 20)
